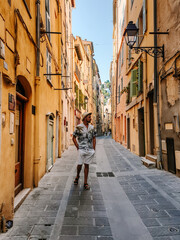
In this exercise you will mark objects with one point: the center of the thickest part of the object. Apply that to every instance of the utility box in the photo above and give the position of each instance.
(2, 50)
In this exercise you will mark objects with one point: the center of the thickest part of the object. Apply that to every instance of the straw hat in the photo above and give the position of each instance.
(85, 114)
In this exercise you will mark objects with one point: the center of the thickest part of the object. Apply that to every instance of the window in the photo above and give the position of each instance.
(119, 64)
(141, 24)
(118, 94)
(132, 1)
(140, 76)
(121, 83)
(48, 26)
(48, 65)
(122, 53)
(133, 83)
(129, 56)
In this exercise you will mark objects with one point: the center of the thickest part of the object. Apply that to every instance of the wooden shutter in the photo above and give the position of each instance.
(133, 83)
(144, 16)
(140, 76)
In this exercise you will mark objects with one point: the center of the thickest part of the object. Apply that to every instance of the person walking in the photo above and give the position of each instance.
(86, 145)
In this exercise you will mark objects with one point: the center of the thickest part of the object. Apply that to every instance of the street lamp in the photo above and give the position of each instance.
(130, 35)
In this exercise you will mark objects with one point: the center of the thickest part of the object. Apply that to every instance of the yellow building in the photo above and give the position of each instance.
(30, 73)
(141, 84)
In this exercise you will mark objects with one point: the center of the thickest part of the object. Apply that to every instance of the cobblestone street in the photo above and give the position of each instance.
(127, 201)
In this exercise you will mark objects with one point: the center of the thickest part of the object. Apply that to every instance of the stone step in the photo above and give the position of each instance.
(148, 163)
(19, 199)
(152, 158)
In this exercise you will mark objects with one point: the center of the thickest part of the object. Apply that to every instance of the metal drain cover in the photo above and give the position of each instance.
(173, 229)
(105, 174)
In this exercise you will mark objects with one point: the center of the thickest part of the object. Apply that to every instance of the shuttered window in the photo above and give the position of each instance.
(48, 64)
(133, 83)
(48, 26)
(140, 76)
(144, 16)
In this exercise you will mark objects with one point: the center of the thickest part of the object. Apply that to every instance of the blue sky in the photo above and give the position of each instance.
(93, 20)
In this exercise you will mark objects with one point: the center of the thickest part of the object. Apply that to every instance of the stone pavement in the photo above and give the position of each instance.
(126, 201)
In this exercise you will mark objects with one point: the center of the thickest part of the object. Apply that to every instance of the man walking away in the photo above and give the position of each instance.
(85, 144)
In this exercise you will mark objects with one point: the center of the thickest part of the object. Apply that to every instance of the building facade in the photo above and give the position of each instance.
(140, 82)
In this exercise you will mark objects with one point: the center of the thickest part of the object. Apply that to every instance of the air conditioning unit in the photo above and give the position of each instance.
(2, 50)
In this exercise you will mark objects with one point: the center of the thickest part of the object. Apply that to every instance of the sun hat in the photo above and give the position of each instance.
(85, 114)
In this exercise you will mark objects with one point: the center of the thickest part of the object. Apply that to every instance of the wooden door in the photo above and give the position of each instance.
(19, 147)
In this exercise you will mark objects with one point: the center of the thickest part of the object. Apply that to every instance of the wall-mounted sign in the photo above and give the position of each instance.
(11, 102)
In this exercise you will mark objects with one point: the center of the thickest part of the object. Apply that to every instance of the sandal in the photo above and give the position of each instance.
(76, 181)
(86, 186)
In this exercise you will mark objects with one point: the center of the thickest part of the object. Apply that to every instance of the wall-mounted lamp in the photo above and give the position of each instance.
(130, 35)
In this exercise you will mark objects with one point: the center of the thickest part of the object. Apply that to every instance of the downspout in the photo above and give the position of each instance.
(156, 94)
(145, 102)
(37, 92)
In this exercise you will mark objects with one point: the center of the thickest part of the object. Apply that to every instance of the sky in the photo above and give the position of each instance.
(93, 20)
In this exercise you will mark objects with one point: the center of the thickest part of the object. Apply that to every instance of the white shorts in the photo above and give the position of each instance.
(85, 156)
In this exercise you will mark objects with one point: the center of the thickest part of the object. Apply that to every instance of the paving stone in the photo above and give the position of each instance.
(20, 231)
(91, 202)
(77, 238)
(150, 222)
(169, 221)
(69, 230)
(78, 221)
(99, 208)
(47, 220)
(92, 214)
(152, 214)
(163, 231)
(41, 230)
(174, 212)
(102, 231)
(42, 214)
(73, 202)
(101, 222)
(104, 238)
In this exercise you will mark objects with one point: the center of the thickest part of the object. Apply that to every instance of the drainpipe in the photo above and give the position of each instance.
(37, 92)
(145, 102)
(156, 95)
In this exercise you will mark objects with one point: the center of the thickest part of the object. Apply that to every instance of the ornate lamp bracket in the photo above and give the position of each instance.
(152, 51)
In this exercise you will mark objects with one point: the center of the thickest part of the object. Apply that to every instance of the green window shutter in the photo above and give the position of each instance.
(133, 83)
(140, 76)
(144, 16)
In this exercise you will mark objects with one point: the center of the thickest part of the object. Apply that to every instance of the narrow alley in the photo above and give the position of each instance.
(126, 201)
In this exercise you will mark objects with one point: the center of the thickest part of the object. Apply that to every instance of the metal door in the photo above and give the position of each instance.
(171, 155)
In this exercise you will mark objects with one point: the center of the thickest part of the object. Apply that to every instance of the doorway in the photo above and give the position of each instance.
(19, 149)
(50, 139)
(151, 123)
(141, 132)
(128, 133)
(171, 155)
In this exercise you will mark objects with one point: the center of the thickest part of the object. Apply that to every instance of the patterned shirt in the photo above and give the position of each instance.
(85, 136)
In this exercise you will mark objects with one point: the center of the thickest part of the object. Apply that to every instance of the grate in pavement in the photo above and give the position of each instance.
(173, 229)
(105, 174)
